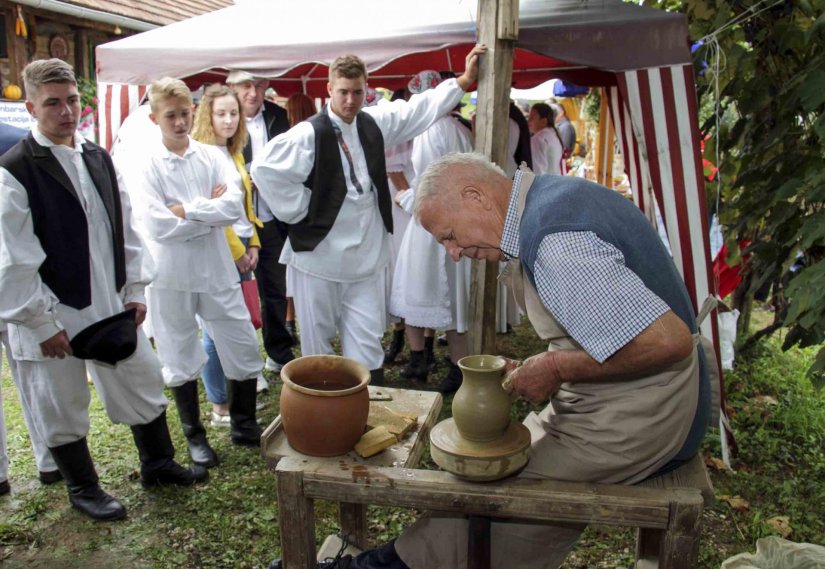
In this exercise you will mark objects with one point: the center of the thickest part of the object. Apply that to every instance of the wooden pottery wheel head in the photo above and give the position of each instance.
(480, 461)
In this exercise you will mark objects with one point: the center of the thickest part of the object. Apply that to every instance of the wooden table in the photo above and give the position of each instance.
(295, 509)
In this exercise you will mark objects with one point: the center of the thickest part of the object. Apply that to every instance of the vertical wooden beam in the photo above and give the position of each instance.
(296, 517)
(478, 543)
(498, 29)
(353, 518)
(604, 145)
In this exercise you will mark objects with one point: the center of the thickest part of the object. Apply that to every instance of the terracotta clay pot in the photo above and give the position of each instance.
(481, 407)
(324, 404)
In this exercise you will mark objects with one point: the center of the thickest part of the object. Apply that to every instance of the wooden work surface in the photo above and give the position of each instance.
(425, 405)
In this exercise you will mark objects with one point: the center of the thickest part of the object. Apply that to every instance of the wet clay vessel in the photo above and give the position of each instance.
(481, 408)
(480, 442)
(324, 404)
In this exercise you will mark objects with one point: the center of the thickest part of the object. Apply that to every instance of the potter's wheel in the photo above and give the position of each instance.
(480, 462)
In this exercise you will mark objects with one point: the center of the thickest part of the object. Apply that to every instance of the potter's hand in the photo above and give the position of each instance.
(466, 79)
(507, 382)
(537, 379)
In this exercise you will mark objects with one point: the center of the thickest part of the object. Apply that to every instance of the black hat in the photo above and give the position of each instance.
(110, 340)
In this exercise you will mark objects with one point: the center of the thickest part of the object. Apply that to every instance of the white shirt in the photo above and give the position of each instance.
(30, 308)
(258, 137)
(191, 253)
(357, 245)
(547, 152)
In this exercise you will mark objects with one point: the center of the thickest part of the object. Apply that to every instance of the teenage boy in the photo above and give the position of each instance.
(327, 179)
(188, 205)
(69, 261)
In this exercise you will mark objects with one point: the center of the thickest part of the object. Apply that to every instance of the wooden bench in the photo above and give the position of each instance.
(667, 510)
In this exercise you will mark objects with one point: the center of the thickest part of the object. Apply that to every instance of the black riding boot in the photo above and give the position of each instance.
(186, 399)
(75, 464)
(395, 347)
(429, 354)
(451, 383)
(157, 464)
(242, 397)
(416, 368)
(377, 377)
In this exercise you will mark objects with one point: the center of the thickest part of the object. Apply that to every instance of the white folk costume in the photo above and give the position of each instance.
(430, 290)
(56, 390)
(338, 246)
(42, 456)
(547, 152)
(195, 271)
(399, 159)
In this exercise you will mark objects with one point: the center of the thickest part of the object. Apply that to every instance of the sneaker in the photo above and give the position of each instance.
(263, 384)
(272, 365)
(219, 420)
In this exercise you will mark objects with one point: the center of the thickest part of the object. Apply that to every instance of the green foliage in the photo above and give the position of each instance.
(770, 75)
(779, 420)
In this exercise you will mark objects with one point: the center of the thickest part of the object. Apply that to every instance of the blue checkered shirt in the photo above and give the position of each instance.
(584, 283)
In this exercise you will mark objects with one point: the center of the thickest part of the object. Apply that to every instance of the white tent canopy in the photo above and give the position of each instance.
(294, 41)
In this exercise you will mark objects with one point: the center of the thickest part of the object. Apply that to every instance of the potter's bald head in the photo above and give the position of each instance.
(461, 199)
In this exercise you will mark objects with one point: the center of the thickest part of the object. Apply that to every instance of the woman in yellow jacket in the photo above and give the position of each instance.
(219, 121)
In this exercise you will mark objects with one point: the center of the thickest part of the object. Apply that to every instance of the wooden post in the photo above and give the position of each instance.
(604, 144)
(296, 517)
(498, 29)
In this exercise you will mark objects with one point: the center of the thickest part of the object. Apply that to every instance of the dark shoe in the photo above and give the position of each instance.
(329, 563)
(395, 347)
(76, 466)
(416, 368)
(377, 377)
(186, 400)
(429, 354)
(49, 476)
(442, 340)
(157, 464)
(5, 487)
(174, 474)
(290, 327)
(451, 383)
(244, 429)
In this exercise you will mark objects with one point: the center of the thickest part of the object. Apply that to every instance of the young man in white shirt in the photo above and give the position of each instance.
(69, 259)
(188, 205)
(326, 178)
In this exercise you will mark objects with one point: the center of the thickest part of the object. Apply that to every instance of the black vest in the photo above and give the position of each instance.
(59, 220)
(329, 186)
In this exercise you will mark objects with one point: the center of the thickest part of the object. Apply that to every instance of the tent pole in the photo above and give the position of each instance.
(498, 29)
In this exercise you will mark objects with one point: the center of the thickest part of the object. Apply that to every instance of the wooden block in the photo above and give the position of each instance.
(396, 423)
(375, 441)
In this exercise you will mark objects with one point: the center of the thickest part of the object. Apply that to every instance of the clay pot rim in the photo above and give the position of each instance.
(467, 363)
(360, 369)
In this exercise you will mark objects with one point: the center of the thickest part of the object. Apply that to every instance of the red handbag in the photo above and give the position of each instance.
(250, 297)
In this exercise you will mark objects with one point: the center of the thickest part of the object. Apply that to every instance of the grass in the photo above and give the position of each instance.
(232, 520)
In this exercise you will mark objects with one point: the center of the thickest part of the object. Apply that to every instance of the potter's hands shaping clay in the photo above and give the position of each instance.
(537, 379)
(507, 383)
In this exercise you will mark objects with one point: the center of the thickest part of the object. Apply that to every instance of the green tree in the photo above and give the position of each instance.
(760, 76)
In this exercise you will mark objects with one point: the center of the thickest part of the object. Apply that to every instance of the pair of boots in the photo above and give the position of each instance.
(157, 466)
(421, 363)
(244, 428)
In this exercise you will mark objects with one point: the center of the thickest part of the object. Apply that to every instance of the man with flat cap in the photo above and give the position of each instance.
(264, 121)
(70, 260)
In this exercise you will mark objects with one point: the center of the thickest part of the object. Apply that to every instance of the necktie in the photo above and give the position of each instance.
(340, 136)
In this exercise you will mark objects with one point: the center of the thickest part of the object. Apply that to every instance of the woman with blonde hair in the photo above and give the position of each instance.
(219, 121)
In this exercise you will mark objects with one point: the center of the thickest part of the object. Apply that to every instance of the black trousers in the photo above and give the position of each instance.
(271, 278)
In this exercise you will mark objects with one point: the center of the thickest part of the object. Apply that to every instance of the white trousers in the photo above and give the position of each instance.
(224, 316)
(58, 395)
(356, 311)
(42, 456)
